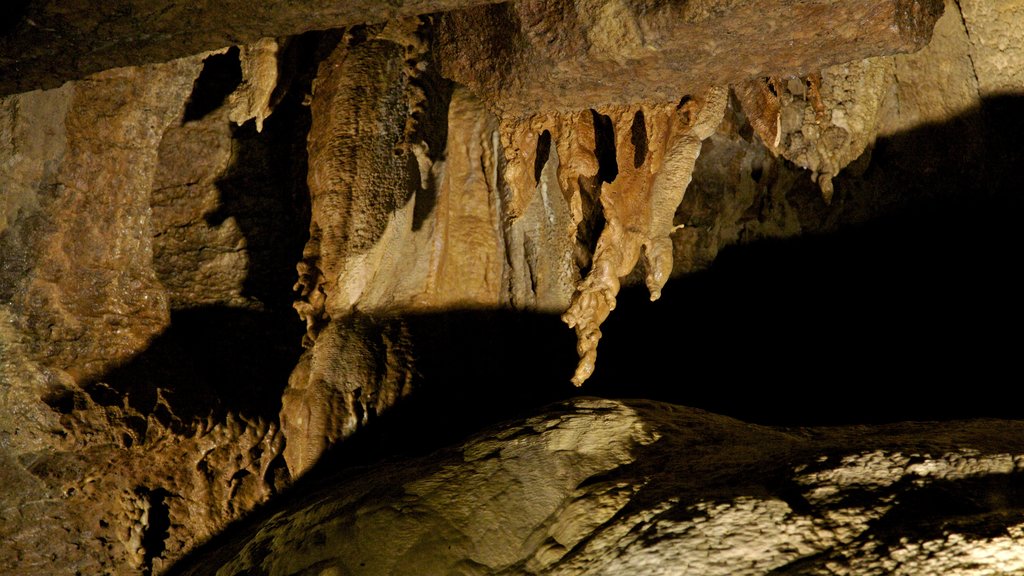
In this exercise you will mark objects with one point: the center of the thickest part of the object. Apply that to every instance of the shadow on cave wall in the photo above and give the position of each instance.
(265, 188)
(914, 315)
(210, 361)
(909, 316)
(216, 359)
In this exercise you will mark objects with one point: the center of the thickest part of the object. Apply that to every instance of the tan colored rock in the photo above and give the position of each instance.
(566, 55)
(108, 196)
(606, 487)
(358, 368)
(639, 205)
(79, 277)
(825, 126)
(997, 51)
(936, 83)
(95, 480)
(251, 101)
(467, 263)
(198, 264)
(430, 231)
(360, 174)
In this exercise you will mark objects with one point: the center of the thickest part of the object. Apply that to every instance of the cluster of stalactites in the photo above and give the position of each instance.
(822, 121)
(640, 159)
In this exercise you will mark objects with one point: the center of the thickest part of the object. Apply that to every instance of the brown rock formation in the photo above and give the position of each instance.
(122, 292)
(531, 56)
(77, 252)
(655, 166)
(608, 487)
(45, 43)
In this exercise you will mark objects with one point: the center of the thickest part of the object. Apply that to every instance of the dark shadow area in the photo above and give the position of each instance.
(157, 529)
(265, 188)
(913, 315)
(213, 360)
(604, 137)
(13, 15)
(982, 506)
(431, 125)
(474, 369)
(210, 361)
(221, 74)
(978, 508)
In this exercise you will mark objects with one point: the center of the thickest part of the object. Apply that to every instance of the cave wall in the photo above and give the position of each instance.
(155, 383)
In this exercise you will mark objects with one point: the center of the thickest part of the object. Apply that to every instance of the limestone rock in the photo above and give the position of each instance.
(829, 121)
(252, 99)
(121, 439)
(566, 55)
(148, 250)
(938, 82)
(613, 487)
(77, 251)
(45, 43)
(361, 175)
(996, 31)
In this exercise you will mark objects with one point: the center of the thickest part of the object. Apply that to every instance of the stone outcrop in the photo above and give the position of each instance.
(622, 487)
(566, 55)
(125, 274)
(44, 43)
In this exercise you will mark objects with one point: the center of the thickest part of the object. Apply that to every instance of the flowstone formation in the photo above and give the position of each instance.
(121, 441)
(542, 65)
(595, 486)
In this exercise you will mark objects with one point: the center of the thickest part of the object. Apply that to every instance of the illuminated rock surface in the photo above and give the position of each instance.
(625, 487)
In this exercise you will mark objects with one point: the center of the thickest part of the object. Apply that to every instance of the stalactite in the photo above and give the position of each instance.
(821, 121)
(252, 99)
(640, 159)
(691, 129)
(638, 206)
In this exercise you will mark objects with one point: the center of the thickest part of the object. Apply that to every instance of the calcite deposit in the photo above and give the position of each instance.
(568, 55)
(245, 246)
(654, 167)
(624, 487)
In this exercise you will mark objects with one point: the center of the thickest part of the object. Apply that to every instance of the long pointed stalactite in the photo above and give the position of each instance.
(640, 159)
(639, 206)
